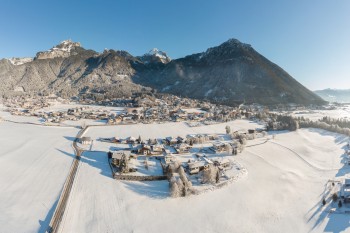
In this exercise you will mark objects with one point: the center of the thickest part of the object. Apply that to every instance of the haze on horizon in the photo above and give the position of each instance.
(310, 40)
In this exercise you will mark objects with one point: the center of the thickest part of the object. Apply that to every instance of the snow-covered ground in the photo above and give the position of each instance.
(281, 193)
(34, 163)
(340, 112)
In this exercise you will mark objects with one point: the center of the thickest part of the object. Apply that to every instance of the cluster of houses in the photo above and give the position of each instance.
(30, 103)
(170, 150)
(141, 108)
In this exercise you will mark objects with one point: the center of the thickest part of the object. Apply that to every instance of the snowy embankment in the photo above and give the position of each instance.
(281, 193)
(34, 163)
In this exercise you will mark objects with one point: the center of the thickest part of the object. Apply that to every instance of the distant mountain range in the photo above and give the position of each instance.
(230, 73)
(335, 95)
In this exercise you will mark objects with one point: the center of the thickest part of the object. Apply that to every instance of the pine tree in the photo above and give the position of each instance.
(181, 186)
(340, 204)
(217, 178)
(183, 176)
(170, 172)
(174, 190)
(228, 129)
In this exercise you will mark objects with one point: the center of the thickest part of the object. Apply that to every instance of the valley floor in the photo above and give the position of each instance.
(282, 191)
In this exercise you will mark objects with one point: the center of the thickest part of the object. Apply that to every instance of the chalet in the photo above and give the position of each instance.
(346, 190)
(222, 163)
(86, 140)
(157, 149)
(145, 150)
(182, 148)
(170, 141)
(218, 146)
(197, 166)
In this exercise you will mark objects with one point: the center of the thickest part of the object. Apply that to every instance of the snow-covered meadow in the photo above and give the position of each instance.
(339, 112)
(34, 163)
(281, 193)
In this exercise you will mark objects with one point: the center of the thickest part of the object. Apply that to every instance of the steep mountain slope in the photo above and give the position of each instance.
(230, 73)
(335, 95)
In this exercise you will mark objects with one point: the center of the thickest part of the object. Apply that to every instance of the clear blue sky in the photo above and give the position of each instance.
(309, 39)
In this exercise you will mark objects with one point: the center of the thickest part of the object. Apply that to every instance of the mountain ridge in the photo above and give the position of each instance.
(334, 95)
(230, 73)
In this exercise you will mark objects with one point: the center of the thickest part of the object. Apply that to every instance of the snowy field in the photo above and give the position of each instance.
(281, 193)
(340, 112)
(34, 163)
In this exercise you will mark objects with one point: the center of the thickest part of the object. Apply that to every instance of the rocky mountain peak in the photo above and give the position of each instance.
(65, 49)
(155, 55)
(67, 45)
(231, 48)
